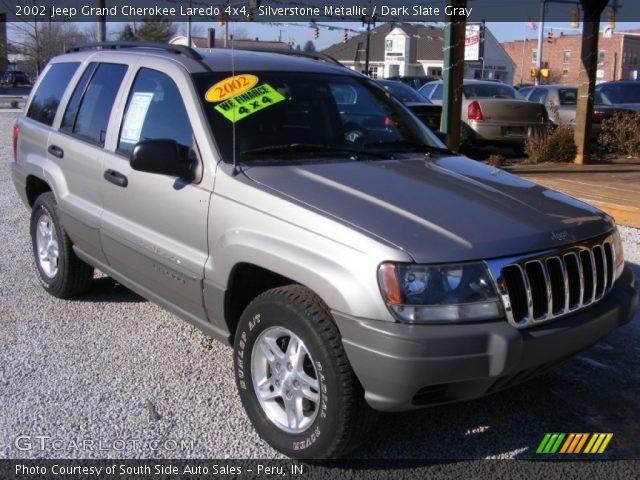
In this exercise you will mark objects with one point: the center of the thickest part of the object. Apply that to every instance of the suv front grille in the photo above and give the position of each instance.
(541, 287)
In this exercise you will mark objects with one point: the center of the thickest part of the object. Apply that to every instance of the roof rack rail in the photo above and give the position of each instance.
(322, 57)
(167, 47)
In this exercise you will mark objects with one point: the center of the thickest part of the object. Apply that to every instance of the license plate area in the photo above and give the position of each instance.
(514, 131)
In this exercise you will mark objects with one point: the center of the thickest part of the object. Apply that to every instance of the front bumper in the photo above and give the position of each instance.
(403, 367)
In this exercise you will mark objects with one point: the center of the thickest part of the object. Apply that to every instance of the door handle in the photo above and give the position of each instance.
(56, 151)
(116, 178)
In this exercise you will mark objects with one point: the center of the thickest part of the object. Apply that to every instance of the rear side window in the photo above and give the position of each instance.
(45, 102)
(487, 90)
(69, 119)
(568, 96)
(155, 110)
(97, 99)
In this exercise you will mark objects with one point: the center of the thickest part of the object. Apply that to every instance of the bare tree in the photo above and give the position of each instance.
(39, 41)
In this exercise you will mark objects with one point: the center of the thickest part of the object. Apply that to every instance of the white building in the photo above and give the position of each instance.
(417, 50)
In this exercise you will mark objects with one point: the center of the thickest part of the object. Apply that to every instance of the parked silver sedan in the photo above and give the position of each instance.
(495, 112)
(561, 102)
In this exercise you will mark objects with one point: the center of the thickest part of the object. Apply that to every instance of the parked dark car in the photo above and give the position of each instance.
(621, 93)
(14, 78)
(416, 81)
(425, 110)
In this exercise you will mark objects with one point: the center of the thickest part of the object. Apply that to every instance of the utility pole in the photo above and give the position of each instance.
(453, 73)
(587, 76)
(189, 26)
(226, 26)
(481, 47)
(543, 5)
(368, 20)
(101, 25)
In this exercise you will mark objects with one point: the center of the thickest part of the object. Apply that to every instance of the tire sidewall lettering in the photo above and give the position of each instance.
(244, 344)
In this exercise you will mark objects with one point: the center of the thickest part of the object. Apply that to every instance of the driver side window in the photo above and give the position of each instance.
(155, 110)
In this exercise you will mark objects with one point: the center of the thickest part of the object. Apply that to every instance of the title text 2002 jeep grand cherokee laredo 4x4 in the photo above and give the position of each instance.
(292, 208)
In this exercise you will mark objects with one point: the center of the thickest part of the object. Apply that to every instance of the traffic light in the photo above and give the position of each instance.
(550, 36)
(221, 20)
(534, 72)
(316, 32)
(345, 37)
(250, 14)
(612, 19)
(544, 72)
(575, 18)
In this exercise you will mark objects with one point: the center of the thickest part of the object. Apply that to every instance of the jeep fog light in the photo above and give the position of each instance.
(439, 293)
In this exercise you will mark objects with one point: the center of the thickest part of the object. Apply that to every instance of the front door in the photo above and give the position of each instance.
(154, 227)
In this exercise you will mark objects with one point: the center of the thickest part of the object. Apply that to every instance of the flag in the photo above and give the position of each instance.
(532, 25)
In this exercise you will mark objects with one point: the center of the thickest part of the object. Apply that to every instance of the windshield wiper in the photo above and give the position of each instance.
(309, 148)
(420, 147)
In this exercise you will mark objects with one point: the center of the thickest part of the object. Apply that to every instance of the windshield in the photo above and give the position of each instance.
(403, 92)
(621, 92)
(307, 116)
(489, 90)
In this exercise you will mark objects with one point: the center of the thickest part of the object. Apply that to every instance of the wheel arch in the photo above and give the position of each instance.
(341, 277)
(35, 187)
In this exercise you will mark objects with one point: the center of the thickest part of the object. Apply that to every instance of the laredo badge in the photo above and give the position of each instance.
(248, 103)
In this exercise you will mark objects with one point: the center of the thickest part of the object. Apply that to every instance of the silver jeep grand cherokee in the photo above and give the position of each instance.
(291, 208)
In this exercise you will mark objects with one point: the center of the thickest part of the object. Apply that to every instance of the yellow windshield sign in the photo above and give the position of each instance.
(230, 87)
(248, 103)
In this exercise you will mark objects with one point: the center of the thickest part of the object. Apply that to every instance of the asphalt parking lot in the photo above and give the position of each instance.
(115, 369)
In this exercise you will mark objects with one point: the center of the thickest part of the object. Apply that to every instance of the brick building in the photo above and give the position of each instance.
(618, 57)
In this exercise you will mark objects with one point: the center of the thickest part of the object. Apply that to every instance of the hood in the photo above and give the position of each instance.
(438, 210)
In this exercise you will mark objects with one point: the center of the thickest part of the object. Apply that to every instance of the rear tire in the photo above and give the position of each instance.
(61, 272)
(332, 418)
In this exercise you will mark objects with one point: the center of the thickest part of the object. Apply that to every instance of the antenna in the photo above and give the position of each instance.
(235, 170)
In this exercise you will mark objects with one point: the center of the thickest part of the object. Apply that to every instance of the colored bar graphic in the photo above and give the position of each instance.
(567, 443)
(596, 443)
(543, 443)
(581, 443)
(606, 441)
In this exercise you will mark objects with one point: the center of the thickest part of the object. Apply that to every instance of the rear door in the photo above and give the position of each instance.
(154, 227)
(77, 147)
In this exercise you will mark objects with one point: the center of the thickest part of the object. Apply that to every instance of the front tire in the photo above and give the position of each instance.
(61, 272)
(294, 378)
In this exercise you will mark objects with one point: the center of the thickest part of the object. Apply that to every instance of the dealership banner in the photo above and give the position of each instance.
(113, 469)
(472, 43)
(303, 10)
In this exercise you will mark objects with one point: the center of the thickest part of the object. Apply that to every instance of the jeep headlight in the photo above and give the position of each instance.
(439, 293)
(618, 253)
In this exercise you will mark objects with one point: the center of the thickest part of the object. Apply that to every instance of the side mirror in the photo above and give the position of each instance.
(160, 156)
